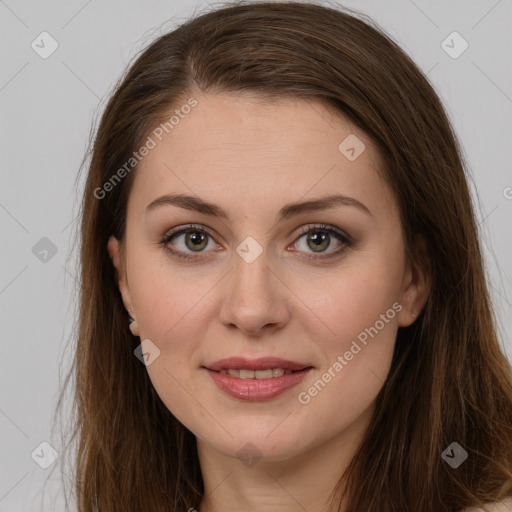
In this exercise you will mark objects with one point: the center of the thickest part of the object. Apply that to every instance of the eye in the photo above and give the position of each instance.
(319, 238)
(196, 239)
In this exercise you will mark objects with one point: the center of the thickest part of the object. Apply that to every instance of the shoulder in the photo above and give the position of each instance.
(499, 506)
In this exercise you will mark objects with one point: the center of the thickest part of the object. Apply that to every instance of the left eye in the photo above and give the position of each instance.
(196, 239)
(319, 238)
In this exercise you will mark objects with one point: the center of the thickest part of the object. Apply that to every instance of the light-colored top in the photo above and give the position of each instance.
(500, 506)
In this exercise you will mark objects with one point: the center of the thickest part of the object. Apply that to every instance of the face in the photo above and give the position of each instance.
(325, 288)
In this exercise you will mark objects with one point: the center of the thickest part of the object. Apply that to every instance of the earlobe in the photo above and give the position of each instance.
(416, 283)
(134, 327)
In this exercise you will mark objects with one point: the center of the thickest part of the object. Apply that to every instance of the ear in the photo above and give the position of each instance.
(416, 283)
(114, 251)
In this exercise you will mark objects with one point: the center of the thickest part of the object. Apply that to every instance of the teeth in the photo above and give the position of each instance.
(264, 374)
(256, 374)
(246, 374)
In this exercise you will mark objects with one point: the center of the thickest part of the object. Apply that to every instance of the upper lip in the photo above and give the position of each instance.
(262, 363)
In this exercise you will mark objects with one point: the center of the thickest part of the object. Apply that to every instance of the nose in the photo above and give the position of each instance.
(255, 299)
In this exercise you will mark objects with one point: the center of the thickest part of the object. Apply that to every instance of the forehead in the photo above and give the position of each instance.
(241, 151)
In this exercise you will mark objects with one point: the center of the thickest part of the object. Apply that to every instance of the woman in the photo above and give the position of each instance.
(283, 303)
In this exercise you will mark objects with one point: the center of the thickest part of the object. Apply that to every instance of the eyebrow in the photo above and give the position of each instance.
(196, 204)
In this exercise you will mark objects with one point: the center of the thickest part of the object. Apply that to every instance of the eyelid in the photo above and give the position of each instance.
(324, 227)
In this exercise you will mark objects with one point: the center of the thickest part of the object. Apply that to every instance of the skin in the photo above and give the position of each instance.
(251, 158)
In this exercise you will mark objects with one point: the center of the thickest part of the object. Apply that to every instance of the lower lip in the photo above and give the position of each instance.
(257, 389)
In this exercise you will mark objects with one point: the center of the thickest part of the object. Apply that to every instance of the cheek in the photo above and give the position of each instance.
(352, 299)
(358, 313)
(357, 359)
(172, 314)
(165, 296)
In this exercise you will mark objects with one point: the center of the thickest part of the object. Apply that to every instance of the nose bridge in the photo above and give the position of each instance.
(252, 299)
(251, 278)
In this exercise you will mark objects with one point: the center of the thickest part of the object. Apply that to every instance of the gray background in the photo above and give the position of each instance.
(47, 109)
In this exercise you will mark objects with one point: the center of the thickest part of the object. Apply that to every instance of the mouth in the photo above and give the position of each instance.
(266, 364)
(256, 380)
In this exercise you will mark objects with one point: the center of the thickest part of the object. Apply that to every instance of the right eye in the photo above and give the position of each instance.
(195, 240)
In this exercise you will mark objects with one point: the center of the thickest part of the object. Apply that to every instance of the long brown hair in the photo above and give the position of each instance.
(449, 380)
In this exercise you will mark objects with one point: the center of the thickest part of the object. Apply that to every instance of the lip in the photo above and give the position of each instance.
(256, 389)
(255, 364)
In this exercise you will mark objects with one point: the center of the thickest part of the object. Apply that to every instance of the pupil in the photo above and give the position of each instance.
(318, 240)
(196, 238)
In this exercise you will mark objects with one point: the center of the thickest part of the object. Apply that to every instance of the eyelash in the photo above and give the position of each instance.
(193, 228)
